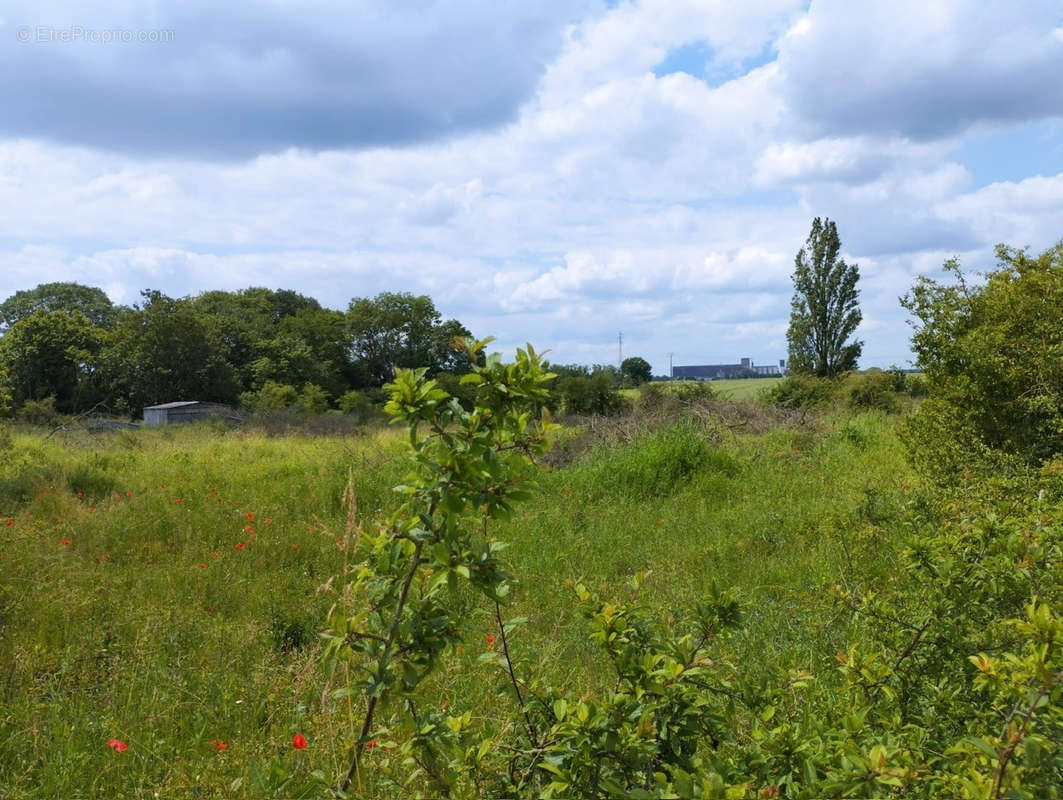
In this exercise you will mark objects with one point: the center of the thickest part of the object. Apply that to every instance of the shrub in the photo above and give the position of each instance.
(992, 356)
(596, 394)
(39, 412)
(464, 393)
(271, 397)
(358, 405)
(313, 399)
(801, 391)
(874, 389)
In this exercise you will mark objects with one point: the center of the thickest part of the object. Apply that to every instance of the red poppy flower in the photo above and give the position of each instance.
(64, 542)
(268, 521)
(370, 744)
(218, 745)
(490, 639)
(249, 530)
(250, 515)
(241, 545)
(202, 566)
(299, 742)
(117, 745)
(10, 522)
(295, 546)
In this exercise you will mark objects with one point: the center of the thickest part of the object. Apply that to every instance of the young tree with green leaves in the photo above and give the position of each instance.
(824, 311)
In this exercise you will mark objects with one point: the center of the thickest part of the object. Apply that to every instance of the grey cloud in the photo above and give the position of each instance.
(900, 68)
(239, 79)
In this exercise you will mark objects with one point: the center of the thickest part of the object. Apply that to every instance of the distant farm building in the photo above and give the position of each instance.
(188, 411)
(715, 372)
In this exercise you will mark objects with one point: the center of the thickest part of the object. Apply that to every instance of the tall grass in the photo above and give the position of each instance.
(166, 587)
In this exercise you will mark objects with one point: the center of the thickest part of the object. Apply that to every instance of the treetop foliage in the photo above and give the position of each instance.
(92, 302)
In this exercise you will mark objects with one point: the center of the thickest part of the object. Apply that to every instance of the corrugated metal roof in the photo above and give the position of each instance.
(177, 404)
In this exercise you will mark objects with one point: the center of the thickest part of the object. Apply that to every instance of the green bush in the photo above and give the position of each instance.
(271, 397)
(452, 385)
(992, 356)
(313, 399)
(873, 389)
(801, 391)
(595, 394)
(39, 412)
(357, 404)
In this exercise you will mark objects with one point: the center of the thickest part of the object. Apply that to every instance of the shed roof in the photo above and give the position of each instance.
(177, 404)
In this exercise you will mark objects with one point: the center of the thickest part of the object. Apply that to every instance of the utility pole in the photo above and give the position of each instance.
(620, 349)
(671, 369)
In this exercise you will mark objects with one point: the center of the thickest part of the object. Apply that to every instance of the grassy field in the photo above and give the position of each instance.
(166, 588)
(738, 389)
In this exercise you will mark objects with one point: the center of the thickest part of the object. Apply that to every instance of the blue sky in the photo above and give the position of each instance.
(552, 172)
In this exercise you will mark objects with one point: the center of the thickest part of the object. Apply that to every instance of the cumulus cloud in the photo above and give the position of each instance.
(604, 198)
(922, 70)
(239, 78)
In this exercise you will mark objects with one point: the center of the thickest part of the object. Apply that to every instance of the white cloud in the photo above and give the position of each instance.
(614, 200)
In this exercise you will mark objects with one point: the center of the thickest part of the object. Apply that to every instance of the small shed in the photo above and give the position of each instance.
(187, 411)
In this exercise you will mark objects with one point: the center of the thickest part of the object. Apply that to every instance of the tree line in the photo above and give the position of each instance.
(68, 347)
(68, 344)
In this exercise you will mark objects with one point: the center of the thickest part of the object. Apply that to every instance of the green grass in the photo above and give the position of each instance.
(155, 626)
(739, 389)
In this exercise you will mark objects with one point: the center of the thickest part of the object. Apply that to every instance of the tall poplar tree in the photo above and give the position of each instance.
(824, 310)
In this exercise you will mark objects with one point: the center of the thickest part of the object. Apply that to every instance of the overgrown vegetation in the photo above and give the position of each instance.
(698, 602)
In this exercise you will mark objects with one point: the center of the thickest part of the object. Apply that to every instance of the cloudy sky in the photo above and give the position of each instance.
(553, 171)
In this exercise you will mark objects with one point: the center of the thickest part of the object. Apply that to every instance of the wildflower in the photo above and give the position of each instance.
(80, 495)
(370, 744)
(241, 545)
(218, 745)
(9, 523)
(268, 521)
(149, 566)
(249, 530)
(250, 515)
(117, 745)
(216, 554)
(295, 546)
(490, 638)
(64, 542)
(202, 566)
(299, 742)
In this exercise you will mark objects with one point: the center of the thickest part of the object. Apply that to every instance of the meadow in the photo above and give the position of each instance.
(164, 589)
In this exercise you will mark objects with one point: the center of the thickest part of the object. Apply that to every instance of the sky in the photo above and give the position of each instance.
(554, 172)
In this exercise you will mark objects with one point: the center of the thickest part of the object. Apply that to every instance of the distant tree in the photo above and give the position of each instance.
(636, 371)
(568, 370)
(166, 351)
(401, 330)
(824, 310)
(52, 354)
(88, 300)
